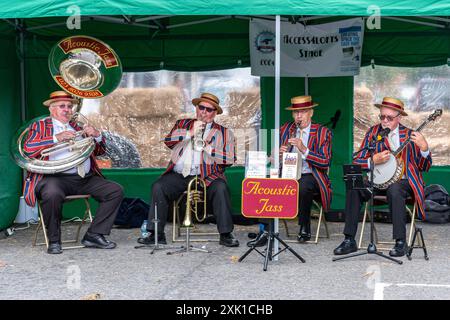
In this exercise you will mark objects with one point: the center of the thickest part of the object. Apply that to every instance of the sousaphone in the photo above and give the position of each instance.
(87, 68)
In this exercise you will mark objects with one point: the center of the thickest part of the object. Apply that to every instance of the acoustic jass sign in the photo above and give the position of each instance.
(269, 198)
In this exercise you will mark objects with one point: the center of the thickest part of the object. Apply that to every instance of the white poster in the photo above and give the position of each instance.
(324, 50)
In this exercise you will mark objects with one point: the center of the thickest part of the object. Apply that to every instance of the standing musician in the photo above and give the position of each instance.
(51, 189)
(417, 158)
(313, 144)
(200, 147)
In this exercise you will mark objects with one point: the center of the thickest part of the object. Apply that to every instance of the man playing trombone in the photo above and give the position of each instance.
(200, 148)
(51, 189)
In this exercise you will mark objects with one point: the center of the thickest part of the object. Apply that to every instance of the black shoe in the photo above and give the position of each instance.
(228, 240)
(259, 241)
(95, 240)
(54, 248)
(399, 249)
(303, 237)
(150, 239)
(347, 246)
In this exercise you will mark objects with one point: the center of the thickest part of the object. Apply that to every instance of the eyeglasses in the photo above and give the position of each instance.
(389, 118)
(209, 110)
(63, 106)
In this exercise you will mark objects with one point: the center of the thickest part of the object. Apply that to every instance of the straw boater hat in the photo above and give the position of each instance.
(210, 98)
(393, 104)
(301, 103)
(59, 96)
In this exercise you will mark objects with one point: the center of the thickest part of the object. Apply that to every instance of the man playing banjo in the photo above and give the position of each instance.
(416, 158)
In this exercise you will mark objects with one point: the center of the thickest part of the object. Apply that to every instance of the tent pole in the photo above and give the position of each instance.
(23, 102)
(277, 115)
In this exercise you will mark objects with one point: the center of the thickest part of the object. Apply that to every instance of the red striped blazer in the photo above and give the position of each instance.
(40, 137)
(414, 162)
(219, 152)
(319, 156)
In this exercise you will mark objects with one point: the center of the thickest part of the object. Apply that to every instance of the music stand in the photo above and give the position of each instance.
(354, 181)
(269, 247)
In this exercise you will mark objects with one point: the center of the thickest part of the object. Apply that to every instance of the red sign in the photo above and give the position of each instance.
(76, 92)
(269, 198)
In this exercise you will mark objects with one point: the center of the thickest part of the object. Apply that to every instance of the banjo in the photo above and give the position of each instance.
(391, 171)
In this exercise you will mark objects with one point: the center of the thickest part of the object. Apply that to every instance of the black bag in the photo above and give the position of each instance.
(132, 213)
(437, 204)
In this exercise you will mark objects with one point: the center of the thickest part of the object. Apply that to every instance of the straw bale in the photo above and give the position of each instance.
(143, 102)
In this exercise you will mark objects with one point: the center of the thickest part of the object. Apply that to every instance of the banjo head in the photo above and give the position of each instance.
(385, 171)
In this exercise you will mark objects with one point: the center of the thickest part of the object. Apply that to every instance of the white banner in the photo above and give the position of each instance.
(325, 50)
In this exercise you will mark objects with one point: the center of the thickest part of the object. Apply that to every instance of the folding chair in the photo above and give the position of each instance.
(41, 224)
(321, 218)
(382, 200)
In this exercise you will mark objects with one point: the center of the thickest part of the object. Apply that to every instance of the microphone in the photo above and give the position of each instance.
(335, 118)
(383, 133)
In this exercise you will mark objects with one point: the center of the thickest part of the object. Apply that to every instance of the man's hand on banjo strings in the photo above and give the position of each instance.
(381, 157)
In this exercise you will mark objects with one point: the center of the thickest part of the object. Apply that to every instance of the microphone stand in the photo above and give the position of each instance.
(372, 248)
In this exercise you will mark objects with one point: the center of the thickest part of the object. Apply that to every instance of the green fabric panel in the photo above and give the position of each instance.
(137, 184)
(45, 8)
(10, 181)
(331, 94)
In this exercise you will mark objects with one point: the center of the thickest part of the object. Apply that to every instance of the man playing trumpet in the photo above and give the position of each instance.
(200, 147)
(51, 189)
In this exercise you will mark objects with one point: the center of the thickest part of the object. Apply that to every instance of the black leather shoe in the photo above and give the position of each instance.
(399, 249)
(347, 246)
(150, 239)
(259, 241)
(54, 248)
(95, 240)
(228, 240)
(303, 237)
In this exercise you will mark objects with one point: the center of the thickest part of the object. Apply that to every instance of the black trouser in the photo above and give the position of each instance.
(170, 186)
(397, 193)
(52, 190)
(308, 188)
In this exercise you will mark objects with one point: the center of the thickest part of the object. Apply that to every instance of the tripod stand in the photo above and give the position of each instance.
(372, 248)
(269, 248)
(155, 246)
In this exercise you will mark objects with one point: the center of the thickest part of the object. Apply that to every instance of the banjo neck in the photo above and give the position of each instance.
(432, 117)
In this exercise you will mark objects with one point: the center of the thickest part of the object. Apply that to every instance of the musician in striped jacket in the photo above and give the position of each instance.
(417, 158)
(51, 189)
(312, 142)
(200, 147)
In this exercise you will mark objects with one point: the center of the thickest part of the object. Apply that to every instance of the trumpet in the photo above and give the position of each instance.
(197, 141)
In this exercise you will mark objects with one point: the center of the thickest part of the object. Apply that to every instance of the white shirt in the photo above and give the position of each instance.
(305, 137)
(196, 161)
(59, 127)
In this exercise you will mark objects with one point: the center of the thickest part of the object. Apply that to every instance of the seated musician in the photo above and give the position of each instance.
(417, 158)
(312, 142)
(86, 178)
(208, 162)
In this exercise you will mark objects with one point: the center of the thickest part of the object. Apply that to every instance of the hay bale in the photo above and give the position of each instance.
(143, 102)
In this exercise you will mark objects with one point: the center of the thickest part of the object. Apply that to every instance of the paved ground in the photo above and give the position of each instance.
(28, 272)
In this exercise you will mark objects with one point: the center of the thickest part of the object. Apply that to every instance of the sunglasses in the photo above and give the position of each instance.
(389, 118)
(209, 110)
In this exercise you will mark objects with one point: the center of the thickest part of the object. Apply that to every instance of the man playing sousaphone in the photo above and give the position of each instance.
(200, 147)
(417, 158)
(312, 142)
(51, 189)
